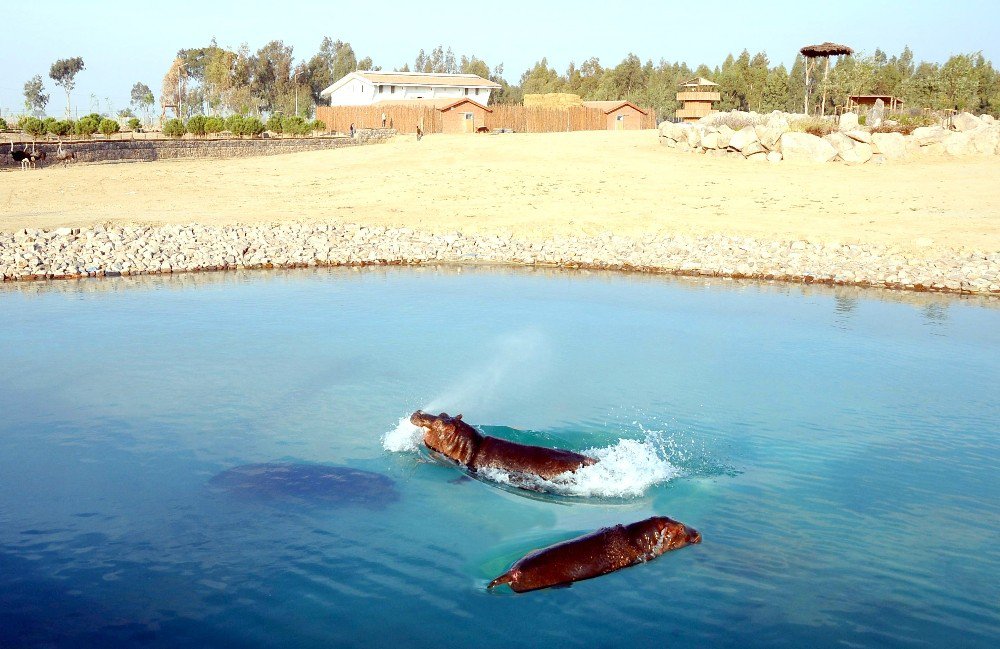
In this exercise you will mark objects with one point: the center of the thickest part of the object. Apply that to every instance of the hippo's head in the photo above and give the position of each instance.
(660, 534)
(449, 436)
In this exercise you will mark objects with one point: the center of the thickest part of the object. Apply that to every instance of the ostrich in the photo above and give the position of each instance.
(21, 156)
(35, 156)
(64, 156)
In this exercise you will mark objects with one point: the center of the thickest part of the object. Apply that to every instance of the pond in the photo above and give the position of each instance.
(218, 460)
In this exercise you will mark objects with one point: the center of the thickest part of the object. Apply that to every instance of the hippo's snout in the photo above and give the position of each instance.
(693, 535)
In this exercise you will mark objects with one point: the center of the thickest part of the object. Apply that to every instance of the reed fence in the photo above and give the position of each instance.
(521, 119)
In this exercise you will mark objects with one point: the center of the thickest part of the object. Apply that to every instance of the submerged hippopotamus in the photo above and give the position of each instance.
(598, 553)
(462, 443)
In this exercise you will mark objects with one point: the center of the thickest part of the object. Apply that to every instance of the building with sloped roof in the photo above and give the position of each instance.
(698, 95)
(621, 115)
(367, 88)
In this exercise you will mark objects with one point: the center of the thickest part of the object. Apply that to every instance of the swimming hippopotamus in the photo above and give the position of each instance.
(462, 443)
(598, 553)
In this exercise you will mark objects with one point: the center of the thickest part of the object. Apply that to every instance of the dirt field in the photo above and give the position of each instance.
(532, 186)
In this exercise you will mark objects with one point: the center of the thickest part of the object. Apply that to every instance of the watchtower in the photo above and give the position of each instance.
(698, 95)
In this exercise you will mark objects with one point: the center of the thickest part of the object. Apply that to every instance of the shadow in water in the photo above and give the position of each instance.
(281, 483)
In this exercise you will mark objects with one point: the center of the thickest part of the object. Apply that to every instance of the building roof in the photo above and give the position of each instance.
(698, 82)
(611, 106)
(414, 79)
(441, 103)
(825, 49)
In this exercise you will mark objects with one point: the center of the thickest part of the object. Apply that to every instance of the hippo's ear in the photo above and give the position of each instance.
(458, 416)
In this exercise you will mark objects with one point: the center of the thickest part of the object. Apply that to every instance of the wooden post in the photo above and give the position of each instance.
(826, 75)
(808, 62)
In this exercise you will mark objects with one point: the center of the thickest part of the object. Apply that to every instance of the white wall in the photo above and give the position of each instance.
(363, 93)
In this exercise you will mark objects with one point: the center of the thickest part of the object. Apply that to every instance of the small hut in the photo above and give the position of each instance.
(698, 94)
(822, 51)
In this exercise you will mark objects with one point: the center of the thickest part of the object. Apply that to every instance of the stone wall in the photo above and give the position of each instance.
(165, 149)
(67, 253)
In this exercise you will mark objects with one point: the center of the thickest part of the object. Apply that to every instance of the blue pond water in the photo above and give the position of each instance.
(838, 450)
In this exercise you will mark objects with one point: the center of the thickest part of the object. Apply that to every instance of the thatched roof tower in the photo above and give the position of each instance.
(822, 51)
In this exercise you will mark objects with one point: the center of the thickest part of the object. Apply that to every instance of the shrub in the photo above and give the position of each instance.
(294, 125)
(134, 124)
(252, 126)
(234, 124)
(318, 125)
(86, 126)
(108, 126)
(735, 119)
(275, 123)
(3, 124)
(61, 128)
(94, 116)
(215, 125)
(818, 126)
(49, 123)
(34, 127)
(196, 125)
(174, 128)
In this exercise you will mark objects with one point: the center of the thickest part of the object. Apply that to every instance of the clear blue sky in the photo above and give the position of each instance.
(122, 42)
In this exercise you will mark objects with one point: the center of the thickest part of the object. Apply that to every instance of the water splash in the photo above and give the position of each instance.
(480, 389)
(624, 470)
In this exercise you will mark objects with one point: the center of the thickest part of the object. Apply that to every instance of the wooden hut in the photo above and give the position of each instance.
(821, 51)
(855, 102)
(619, 115)
(698, 95)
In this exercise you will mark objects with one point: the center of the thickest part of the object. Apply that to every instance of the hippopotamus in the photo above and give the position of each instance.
(598, 553)
(462, 443)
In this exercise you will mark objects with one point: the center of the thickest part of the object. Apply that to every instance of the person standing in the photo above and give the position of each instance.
(383, 120)
(352, 129)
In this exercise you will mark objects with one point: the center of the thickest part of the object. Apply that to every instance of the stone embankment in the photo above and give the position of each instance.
(110, 251)
(149, 150)
(780, 136)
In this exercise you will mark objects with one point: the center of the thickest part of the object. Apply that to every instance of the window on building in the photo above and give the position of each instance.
(381, 89)
(392, 90)
(469, 116)
(466, 92)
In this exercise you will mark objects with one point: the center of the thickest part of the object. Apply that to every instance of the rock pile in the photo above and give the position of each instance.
(135, 250)
(779, 136)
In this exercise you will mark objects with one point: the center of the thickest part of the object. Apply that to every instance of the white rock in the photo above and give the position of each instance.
(725, 136)
(743, 137)
(959, 144)
(848, 121)
(859, 136)
(796, 146)
(965, 122)
(986, 139)
(859, 154)
(890, 145)
(925, 135)
(774, 156)
(710, 140)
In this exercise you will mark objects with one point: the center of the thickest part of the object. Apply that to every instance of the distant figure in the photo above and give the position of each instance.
(390, 123)
(420, 132)
(352, 129)
(383, 120)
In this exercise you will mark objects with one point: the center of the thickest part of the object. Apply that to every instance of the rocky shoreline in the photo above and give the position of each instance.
(72, 253)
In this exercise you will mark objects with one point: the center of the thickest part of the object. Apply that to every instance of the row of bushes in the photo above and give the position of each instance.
(85, 126)
(201, 125)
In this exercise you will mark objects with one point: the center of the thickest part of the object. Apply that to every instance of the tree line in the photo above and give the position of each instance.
(218, 81)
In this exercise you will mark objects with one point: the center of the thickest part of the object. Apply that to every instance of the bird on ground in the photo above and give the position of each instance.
(21, 156)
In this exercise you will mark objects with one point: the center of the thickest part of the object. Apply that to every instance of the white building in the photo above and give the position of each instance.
(367, 88)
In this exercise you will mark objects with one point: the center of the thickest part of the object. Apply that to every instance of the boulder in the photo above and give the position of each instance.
(796, 146)
(760, 156)
(777, 121)
(753, 148)
(770, 134)
(890, 145)
(986, 139)
(743, 138)
(859, 136)
(859, 154)
(959, 144)
(774, 156)
(710, 140)
(848, 121)
(987, 119)
(840, 142)
(965, 122)
(925, 135)
(693, 137)
(725, 135)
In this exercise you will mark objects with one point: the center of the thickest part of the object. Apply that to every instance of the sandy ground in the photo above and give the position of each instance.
(532, 186)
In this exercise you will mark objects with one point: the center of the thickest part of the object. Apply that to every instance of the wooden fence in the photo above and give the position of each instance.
(520, 119)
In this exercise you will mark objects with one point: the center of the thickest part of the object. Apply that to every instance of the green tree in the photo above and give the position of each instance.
(86, 126)
(142, 98)
(541, 79)
(33, 127)
(958, 85)
(776, 93)
(196, 125)
(134, 124)
(63, 72)
(174, 128)
(215, 125)
(61, 128)
(35, 98)
(108, 127)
